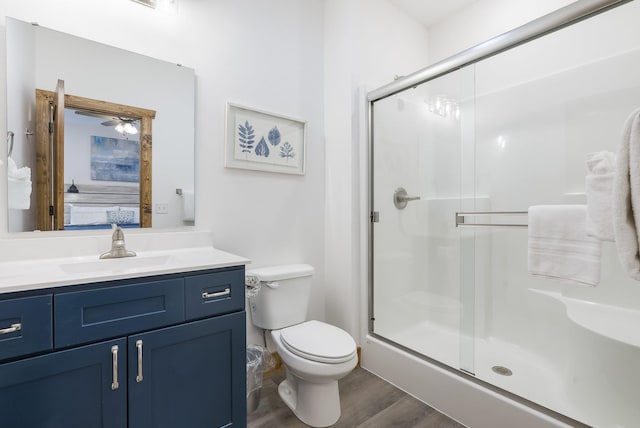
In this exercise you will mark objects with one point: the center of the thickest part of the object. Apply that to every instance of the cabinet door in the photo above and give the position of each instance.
(191, 375)
(66, 389)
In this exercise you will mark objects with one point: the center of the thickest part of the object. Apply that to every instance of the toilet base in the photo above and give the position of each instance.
(315, 404)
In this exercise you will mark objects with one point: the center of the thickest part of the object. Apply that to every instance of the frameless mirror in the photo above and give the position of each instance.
(126, 115)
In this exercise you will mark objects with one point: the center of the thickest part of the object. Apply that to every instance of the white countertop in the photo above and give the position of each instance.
(54, 272)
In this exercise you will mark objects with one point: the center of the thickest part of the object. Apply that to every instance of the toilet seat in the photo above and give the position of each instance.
(318, 341)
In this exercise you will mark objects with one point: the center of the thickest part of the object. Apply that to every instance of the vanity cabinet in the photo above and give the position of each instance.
(131, 353)
(70, 388)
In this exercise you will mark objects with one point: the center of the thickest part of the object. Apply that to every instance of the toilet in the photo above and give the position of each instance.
(315, 354)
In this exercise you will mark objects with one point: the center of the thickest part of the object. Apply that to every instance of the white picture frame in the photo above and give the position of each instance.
(263, 141)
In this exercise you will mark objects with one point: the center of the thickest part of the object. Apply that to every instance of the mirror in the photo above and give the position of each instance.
(37, 58)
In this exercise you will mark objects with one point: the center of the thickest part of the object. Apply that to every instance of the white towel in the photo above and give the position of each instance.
(188, 206)
(626, 196)
(18, 185)
(559, 247)
(599, 191)
(18, 194)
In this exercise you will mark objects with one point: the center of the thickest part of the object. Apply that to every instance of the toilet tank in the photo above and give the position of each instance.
(283, 298)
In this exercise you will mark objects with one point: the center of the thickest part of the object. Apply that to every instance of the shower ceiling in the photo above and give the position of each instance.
(429, 12)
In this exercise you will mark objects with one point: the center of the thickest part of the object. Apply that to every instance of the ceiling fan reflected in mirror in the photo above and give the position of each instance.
(123, 125)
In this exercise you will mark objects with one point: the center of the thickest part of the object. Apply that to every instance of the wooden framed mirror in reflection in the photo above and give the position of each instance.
(109, 86)
(103, 197)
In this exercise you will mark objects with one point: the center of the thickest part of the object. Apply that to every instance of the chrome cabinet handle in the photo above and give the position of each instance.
(226, 292)
(400, 198)
(114, 355)
(14, 327)
(139, 347)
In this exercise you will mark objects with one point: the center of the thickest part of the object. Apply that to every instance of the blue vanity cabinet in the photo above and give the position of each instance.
(25, 326)
(188, 375)
(129, 353)
(72, 388)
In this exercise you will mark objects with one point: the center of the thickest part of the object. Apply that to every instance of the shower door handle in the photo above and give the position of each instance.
(401, 198)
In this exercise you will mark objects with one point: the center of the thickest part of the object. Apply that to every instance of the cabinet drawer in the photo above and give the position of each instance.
(25, 326)
(90, 315)
(214, 293)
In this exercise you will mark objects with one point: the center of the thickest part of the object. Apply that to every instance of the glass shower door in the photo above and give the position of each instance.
(422, 168)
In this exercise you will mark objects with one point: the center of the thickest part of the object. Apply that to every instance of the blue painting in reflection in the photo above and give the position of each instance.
(115, 159)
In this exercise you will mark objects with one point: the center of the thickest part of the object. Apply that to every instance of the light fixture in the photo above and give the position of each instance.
(130, 129)
(445, 107)
(162, 5)
(150, 3)
(125, 128)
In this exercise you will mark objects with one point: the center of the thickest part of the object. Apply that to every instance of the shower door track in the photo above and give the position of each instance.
(470, 377)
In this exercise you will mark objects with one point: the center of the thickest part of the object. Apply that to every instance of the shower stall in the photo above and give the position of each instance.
(459, 152)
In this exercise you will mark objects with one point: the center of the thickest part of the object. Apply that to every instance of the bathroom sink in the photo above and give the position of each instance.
(116, 265)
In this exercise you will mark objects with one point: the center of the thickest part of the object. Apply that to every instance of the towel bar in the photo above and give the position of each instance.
(460, 217)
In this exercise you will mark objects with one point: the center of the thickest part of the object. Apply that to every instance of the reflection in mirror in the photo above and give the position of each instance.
(37, 58)
(112, 162)
(117, 198)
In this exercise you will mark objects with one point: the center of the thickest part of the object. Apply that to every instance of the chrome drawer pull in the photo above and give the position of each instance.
(14, 327)
(114, 354)
(226, 292)
(139, 347)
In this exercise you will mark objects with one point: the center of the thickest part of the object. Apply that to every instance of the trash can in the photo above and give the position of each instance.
(255, 370)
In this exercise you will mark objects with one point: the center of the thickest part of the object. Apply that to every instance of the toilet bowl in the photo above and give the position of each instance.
(315, 354)
(311, 387)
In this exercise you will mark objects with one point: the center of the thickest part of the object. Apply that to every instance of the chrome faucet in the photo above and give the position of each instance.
(118, 249)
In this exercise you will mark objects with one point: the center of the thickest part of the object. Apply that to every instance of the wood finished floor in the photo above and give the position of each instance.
(367, 402)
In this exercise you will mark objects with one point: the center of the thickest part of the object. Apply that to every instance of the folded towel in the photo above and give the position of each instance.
(188, 206)
(18, 186)
(626, 196)
(599, 190)
(559, 247)
(16, 173)
(18, 193)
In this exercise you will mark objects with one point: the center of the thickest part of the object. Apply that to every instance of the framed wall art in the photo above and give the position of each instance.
(264, 141)
(115, 159)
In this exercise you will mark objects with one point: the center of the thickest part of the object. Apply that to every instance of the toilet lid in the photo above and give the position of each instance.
(318, 341)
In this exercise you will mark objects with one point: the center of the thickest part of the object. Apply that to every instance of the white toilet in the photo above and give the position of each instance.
(315, 354)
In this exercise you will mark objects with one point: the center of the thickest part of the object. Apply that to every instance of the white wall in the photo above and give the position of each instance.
(263, 54)
(367, 43)
(483, 20)
(20, 117)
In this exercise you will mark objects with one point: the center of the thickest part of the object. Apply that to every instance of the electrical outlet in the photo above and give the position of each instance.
(162, 208)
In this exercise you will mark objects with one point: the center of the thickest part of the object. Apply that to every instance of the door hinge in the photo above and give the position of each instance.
(374, 217)
(50, 127)
(51, 210)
